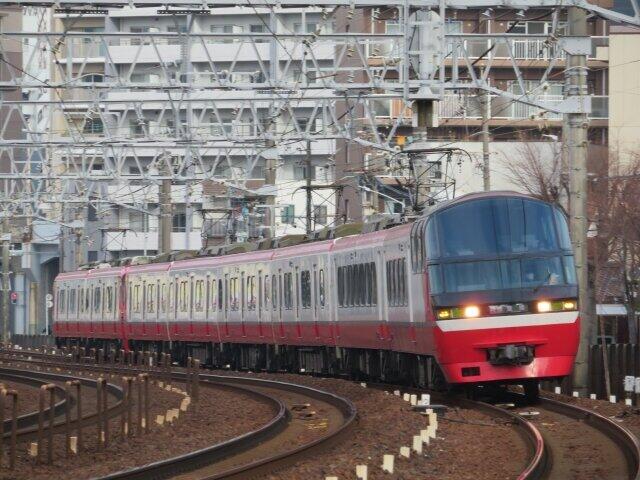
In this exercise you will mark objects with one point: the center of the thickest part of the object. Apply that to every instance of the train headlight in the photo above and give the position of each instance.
(471, 311)
(543, 306)
(569, 305)
(444, 314)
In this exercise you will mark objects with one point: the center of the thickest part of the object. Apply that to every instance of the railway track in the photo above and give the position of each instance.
(575, 443)
(290, 436)
(563, 440)
(28, 423)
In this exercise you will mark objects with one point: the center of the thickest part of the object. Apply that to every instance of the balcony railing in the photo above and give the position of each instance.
(527, 49)
(464, 106)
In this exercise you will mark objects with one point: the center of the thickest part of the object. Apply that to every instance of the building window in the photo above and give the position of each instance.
(288, 214)
(92, 256)
(138, 221)
(320, 214)
(93, 125)
(302, 173)
(179, 222)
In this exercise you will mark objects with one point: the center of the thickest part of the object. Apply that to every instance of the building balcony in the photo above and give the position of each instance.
(135, 192)
(468, 107)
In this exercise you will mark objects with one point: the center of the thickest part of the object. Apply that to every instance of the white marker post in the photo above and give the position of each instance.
(425, 399)
(361, 472)
(417, 444)
(414, 400)
(387, 463)
(405, 452)
(629, 385)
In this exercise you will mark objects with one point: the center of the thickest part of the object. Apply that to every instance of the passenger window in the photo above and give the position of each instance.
(97, 291)
(198, 296)
(305, 288)
(321, 294)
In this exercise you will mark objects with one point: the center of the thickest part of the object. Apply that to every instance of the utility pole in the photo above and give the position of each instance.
(485, 101)
(79, 256)
(576, 145)
(308, 188)
(270, 144)
(6, 284)
(164, 230)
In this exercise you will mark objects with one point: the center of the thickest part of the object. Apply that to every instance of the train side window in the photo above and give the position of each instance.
(260, 294)
(432, 249)
(150, 297)
(321, 292)
(417, 246)
(87, 300)
(198, 296)
(402, 282)
(435, 279)
(162, 307)
(250, 292)
(305, 288)
(274, 292)
(220, 294)
(108, 293)
(288, 290)
(61, 304)
(213, 294)
(182, 296)
(72, 301)
(340, 284)
(374, 285)
(362, 285)
(267, 292)
(97, 291)
(81, 300)
(233, 293)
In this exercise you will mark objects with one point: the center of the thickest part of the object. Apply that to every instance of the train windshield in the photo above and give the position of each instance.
(499, 243)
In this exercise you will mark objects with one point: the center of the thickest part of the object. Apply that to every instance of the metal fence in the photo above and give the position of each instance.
(620, 359)
(33, 341)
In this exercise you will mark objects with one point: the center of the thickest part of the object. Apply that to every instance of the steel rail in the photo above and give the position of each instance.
(218, 452)
(30, 431)
(621, 436)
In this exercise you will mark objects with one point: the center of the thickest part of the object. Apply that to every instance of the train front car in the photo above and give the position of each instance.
(502, 290)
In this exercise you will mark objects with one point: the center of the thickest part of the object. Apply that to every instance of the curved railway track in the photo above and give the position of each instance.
(564, 440)
(274, 446)
(577, 443)
(28, 423)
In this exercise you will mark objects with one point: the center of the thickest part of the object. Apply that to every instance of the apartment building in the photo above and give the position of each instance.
(215, 127)
(378, 186)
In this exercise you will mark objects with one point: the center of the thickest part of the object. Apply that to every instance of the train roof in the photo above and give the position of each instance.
(477, 196)
(354, 237)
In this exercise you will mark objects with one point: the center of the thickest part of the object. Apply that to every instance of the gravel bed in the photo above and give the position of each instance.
(627, 416)
(207, 424)
(469, 445)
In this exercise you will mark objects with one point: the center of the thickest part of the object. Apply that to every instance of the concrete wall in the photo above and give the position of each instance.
(624, 91)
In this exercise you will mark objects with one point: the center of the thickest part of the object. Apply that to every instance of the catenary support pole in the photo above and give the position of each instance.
(576, 145)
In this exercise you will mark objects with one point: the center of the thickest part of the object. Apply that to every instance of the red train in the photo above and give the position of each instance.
(479, 289)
